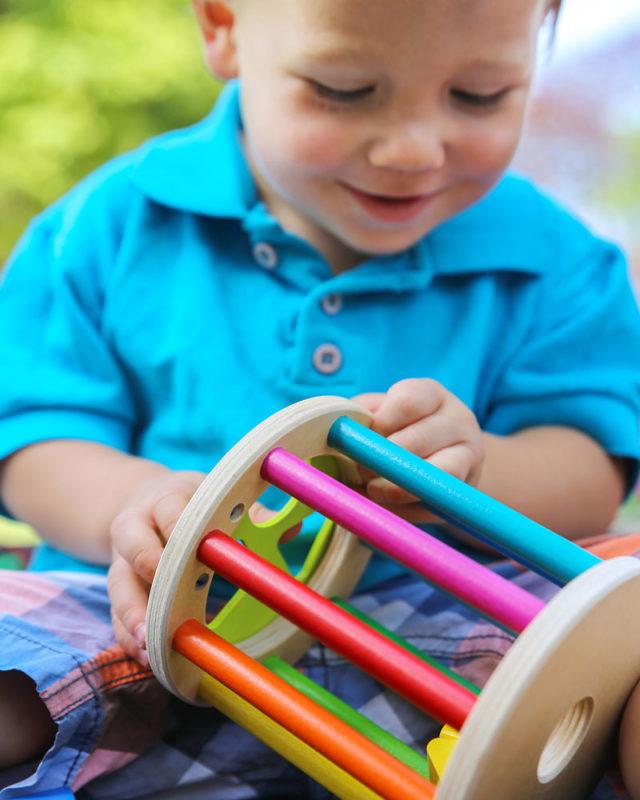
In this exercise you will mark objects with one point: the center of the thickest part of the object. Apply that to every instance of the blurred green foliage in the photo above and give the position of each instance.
(622, 191)
(81, 81)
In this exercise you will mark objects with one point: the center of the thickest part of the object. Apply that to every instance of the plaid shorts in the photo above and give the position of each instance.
(120, 736)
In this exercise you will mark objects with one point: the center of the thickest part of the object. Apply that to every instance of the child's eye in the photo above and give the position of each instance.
(478, 100)
(340, 95)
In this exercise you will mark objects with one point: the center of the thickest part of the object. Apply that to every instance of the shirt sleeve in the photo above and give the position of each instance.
(59, 378)
(579, 364)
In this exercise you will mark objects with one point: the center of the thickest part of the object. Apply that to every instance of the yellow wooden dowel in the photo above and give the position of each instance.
(17, 534)
(283, 741)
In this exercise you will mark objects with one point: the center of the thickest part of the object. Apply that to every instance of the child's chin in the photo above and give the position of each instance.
(387, 245)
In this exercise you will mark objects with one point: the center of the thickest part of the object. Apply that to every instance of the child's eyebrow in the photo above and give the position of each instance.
(503, 68)
(338, 51)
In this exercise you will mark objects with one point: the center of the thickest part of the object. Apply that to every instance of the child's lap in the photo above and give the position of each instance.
(56, 628)
(121, 736)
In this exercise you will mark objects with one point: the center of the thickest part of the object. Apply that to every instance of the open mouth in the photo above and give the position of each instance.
(388, 208)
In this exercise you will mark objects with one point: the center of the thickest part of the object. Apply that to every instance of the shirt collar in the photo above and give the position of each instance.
(510, 229)
(203, 170)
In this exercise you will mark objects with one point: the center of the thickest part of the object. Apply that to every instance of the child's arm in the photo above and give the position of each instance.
(70, 491)
(103, 506)
(556, 475)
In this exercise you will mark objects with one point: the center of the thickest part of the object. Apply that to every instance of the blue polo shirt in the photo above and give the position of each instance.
(160, 309)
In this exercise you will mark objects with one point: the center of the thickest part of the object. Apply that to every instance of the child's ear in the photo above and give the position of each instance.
(216, 23)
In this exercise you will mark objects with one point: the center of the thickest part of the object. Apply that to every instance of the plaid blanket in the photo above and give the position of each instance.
(121, 736)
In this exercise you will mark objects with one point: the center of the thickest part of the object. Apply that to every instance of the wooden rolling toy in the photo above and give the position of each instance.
(542, 726)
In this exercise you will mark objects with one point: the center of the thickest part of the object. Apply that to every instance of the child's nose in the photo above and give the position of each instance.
(411, 147)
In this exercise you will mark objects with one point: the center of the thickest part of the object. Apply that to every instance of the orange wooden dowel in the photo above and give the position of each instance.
(321, 730)
(614, 546)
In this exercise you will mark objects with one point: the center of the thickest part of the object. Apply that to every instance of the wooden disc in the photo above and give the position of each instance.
(546, 720)
(179, 589)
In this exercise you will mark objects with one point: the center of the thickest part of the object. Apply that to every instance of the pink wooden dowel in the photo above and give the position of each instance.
(440, 564)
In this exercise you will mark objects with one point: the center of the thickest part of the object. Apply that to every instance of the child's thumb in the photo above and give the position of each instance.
(259, 514)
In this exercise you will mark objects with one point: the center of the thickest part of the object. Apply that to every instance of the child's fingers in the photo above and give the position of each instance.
(369, 400)
(259, 513)
(430, 434)
(140, 533)
(424, 438)
(407, 402)
(128, 643)
(408, 507)
(414, 513)
(129, 597)
(385, 493)
(458, 460)
(137, 542)
(167, 510)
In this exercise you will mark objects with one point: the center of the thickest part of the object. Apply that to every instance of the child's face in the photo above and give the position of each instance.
(369, 122)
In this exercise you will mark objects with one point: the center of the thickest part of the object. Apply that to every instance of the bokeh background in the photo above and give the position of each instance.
(582, 139)
(82, 81)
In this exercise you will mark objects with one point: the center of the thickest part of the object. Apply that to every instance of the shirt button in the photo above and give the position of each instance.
(327, 359)
(265, 255)
(332, 304)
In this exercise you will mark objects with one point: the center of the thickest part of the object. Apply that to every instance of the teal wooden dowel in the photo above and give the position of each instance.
(510, 532)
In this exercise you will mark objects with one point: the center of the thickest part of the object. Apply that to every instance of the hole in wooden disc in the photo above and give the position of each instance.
(236, 512)
(202, 581)
(565, 740)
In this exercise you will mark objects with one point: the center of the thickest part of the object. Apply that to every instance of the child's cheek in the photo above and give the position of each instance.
(490, 156)
(489, 150)
(318, 146)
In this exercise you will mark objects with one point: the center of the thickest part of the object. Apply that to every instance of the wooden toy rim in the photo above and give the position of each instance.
(179, 591)
(542, 725)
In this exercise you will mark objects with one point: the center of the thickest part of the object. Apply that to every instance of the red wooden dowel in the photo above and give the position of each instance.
(397, 668)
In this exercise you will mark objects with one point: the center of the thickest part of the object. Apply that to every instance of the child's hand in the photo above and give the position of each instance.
(138, 535)
(423, 417)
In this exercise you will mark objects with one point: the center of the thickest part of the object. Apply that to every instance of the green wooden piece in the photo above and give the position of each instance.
(401, 643)
(344, 712)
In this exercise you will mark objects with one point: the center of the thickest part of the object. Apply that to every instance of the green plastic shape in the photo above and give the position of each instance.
(243, 616)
